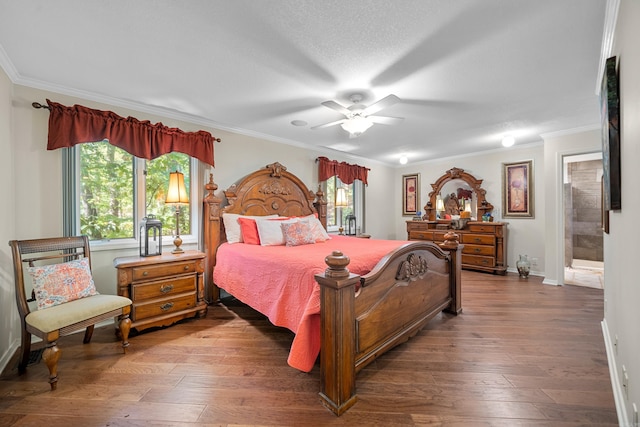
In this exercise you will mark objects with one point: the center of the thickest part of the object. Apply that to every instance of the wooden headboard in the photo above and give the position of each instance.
(267, 191)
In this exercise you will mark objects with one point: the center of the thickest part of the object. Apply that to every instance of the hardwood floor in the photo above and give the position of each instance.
(520, 354)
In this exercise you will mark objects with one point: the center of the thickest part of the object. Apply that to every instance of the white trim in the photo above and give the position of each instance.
(610, 20)
(618, 393)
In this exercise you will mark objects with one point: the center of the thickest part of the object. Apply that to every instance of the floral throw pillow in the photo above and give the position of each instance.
(59, 283)
(297, 233)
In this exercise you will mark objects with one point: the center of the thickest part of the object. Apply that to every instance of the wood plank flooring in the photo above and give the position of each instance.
(521, 354)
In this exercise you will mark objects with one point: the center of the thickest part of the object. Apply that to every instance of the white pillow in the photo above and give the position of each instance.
(270, 230)
(232, 226)
(319, 233)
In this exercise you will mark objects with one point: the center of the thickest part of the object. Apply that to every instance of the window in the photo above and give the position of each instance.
(336, 216)
(115, 190)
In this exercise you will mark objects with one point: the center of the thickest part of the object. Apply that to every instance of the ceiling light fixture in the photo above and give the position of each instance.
(356, 125)
(508, 141)
(403, 160)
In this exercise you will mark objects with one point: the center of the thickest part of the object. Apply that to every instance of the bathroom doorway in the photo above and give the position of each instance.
(583, 242)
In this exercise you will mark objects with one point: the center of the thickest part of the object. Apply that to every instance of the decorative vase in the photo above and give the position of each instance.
(524, 266)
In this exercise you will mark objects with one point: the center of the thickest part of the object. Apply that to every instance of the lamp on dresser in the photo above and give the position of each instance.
(341, 202)
(177, 195)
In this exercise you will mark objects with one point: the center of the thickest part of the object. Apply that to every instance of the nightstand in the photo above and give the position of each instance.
(164, 288)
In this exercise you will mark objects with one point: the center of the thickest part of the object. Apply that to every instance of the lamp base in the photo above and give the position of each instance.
(177, 242)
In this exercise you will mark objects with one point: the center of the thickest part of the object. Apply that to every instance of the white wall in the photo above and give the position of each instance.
(524, 235)
(622, 290)
(9, 321)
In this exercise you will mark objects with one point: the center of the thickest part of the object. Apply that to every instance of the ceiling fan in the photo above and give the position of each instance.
(359, 117)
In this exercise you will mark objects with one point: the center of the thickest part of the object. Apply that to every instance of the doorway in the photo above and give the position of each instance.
(583, 242)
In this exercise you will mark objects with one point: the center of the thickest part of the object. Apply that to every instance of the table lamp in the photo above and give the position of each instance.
(177, 195)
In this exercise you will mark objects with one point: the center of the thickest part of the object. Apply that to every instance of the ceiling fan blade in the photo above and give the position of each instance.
(335, 106)
(384, 120)
(326, 125)
(385, 102)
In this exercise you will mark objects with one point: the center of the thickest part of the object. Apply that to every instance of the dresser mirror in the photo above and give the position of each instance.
(459, 191)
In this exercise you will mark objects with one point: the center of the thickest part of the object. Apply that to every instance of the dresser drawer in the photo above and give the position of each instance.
(159, 288)
(483, 228)
(420, 235)
(162, 306)
(478, 239)
(479, 260)
(163, 270)
(485, 250)
(417, 226)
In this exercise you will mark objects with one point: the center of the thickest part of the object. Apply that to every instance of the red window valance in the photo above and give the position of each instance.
(69, 126)
(346, 172)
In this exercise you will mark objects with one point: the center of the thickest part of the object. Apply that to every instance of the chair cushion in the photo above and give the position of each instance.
(63, 315)
(60, 283)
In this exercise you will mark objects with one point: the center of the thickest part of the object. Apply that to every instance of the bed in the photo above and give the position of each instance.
(346, 299)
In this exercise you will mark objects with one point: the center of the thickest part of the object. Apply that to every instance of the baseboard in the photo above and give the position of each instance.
(9, 355)
(618, 393)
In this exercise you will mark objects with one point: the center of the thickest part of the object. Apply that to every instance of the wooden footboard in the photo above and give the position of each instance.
(363, 317)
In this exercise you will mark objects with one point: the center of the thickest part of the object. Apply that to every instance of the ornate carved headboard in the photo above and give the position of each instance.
(270, 190)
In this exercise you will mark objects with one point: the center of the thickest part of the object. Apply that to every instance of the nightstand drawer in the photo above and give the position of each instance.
(142, 291)
(148, 272)
(478, 239)
(162, 306)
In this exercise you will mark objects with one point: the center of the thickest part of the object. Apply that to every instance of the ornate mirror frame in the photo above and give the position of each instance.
(451, 174)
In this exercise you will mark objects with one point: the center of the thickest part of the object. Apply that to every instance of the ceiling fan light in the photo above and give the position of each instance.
(356, 125)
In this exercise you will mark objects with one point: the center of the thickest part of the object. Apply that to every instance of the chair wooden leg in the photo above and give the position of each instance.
(88, 333)
(124, 327)
(25, 347)
(51, 355)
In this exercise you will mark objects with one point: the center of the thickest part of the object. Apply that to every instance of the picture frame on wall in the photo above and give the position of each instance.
(410, 194)
(610, 108)
(517, 190)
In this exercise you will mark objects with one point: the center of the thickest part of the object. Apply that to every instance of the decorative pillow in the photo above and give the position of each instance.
(249, 231)
(318, 231)
(232, 226)
(270, 230)
(298, 233)
(59, 283)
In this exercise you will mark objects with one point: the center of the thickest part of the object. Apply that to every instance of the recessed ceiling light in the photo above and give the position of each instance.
(508, 141)
(298, 123)
(403, 160)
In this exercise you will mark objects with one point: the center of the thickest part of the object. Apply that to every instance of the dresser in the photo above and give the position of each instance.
(164, 288)
(485, 243)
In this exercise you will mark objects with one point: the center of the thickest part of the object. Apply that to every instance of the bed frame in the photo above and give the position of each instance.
(361, 316)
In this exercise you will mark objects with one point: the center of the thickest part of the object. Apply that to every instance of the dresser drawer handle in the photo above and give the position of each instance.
(166, 288)
(477, 250)
(166, 306)
(485, 262)
(186, 268)
(145, 273)
(477, 240)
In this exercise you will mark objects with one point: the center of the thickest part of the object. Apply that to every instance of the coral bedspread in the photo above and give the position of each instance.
(279, 282)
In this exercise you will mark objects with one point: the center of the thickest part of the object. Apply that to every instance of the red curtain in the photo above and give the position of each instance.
(69, 126)
(346, 172)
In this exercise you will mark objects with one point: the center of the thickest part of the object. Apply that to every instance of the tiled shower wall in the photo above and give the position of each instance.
(583, 211)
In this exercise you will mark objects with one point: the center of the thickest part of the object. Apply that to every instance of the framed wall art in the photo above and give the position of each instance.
(517, 189)
(410, 194)
(609, 103)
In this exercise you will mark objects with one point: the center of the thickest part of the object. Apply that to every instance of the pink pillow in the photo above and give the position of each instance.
(59, 283)
(297, 233)
(249, 231)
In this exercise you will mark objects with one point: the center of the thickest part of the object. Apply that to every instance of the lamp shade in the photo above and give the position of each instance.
(341, 198)
(177, 192)
(439, 204)
(357, 125)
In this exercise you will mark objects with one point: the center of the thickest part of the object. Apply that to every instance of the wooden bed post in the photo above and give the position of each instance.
(321, 207)
(212, 238)
(337, 331)
(451, 244)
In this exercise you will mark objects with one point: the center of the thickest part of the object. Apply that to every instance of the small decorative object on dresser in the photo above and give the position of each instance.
(164, 289)
(150, 236)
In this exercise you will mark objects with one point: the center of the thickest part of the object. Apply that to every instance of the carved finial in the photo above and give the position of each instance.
(276, 169)
(337, 263)
(451, 240)
(211, 187)
(320, 194)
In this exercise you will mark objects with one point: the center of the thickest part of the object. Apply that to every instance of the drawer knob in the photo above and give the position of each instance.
(166, 306)
(477, 240)
(166, 288)
(186, 268)
(477, 250)
(145, 273)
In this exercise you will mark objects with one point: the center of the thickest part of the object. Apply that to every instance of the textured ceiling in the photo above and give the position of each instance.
(467, 72)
